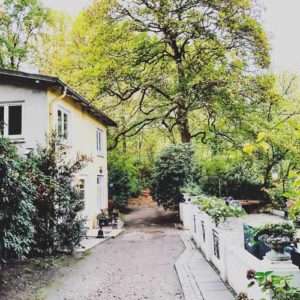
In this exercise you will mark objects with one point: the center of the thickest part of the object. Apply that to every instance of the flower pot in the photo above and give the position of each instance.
(277, 245)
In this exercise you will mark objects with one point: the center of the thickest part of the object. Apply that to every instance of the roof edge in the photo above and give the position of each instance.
(55, 81)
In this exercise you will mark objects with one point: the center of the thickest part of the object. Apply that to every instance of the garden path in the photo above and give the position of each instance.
(139, 264)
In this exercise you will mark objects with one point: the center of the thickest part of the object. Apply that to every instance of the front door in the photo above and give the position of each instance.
(99, 192)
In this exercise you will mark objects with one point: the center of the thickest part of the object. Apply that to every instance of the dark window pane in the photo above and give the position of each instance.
(66, 127)
(59, 123)
(1, 120)
(14, 120)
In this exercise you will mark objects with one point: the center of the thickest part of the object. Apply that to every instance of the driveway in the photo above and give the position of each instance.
(137, 265)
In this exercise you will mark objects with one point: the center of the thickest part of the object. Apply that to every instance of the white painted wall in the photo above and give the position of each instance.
(83, 128)
(35, 112)
(234, 261)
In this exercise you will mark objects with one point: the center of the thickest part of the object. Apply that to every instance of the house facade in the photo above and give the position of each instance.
(32, 106)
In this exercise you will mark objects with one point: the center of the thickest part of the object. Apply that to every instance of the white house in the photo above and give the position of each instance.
(32, 106)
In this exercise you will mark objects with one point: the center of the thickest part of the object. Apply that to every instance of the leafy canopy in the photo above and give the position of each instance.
(174, 64)
(21, 22)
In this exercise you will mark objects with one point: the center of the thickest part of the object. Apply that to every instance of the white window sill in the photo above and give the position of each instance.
(100, 154)
(16, 139)
(65, 143)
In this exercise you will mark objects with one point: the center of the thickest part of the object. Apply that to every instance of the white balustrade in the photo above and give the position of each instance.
(224, 247)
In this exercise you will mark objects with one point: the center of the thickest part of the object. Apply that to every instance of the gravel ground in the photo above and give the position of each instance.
(139, 264)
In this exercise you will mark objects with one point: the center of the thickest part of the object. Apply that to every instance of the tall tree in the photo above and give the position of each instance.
(182, 64)
(21, 22)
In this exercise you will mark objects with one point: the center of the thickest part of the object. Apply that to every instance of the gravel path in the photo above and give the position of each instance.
(137, 265)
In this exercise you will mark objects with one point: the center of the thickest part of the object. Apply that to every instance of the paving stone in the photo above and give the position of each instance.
(198, 279)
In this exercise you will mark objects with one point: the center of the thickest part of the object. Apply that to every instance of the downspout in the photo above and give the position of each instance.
(52, 102)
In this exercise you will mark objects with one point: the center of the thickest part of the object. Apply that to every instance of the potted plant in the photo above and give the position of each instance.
(276, 236)
(218, 210)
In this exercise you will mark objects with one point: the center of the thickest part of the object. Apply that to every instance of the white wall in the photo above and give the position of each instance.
(35, 112)
(234, 260)
(83, 129)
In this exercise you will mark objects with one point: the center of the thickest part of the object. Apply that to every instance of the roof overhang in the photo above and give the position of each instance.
(51, 81)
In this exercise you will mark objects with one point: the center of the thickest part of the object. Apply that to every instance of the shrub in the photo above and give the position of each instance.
(218, 210)
(279, 286)
(274, 230)
(239, 178)
(58, 202)
(193, 189)
(173, 169)
(16, 209)
(294, 212)
(123, 179)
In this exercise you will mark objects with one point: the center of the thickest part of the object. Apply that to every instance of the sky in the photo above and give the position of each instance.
(281, 20)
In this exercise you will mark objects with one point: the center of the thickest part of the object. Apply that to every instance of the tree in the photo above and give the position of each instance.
(178, 63)
(21, 22)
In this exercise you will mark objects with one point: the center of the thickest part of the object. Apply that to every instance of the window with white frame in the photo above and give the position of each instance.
(11, 120)
(100, 141)
(63, 124)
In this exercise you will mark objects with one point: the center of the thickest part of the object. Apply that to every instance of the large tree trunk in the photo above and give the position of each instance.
(185, 132)
(183, 125)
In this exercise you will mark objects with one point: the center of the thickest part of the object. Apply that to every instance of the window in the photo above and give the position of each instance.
(99, 139)
(81, 188)
(1, 120)
(11, 120)
(14, 120)
(63, 124)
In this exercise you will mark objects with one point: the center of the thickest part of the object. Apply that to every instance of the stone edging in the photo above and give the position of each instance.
(188, 283)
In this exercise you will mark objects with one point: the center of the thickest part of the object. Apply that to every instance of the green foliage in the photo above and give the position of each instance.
(186, 71)
(21, 22)
(192, 73)
(279, 286)
(124, 180)
(192, 188)
(218, 210)
(17, 194)
(173, 169)
(294, 212)
(274, 230)
(58, 202)
(236, 177)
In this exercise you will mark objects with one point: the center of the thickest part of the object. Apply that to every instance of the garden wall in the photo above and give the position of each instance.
(223, 246)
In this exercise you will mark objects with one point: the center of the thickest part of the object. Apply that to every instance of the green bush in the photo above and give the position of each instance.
(58, 202)
(239, 178)
(123, 177)
(173, 169)
(279, 286)
(16, 209)
(218, 210)
(283, 229)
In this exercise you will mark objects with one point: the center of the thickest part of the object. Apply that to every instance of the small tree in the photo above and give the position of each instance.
(58, 225)
(16, 210)
(172, 170)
